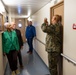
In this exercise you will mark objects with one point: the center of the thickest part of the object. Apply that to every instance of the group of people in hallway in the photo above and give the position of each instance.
(13, 43)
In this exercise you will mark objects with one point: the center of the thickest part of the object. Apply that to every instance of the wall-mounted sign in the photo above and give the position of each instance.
(74, 26)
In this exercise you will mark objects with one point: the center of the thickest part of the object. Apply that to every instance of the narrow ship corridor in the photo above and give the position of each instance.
(22, 11)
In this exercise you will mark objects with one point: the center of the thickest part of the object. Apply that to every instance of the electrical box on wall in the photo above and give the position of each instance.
(6, 19)
(74, 26)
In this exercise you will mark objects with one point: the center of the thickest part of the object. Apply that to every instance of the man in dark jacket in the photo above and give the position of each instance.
(30, 34)
(20, 43)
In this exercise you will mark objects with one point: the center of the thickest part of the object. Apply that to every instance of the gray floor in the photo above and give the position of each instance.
(33, 65)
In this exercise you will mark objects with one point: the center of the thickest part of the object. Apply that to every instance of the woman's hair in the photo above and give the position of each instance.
(7, 25)
(58, 18)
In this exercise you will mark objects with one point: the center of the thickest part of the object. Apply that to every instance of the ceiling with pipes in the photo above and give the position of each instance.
(23, 8)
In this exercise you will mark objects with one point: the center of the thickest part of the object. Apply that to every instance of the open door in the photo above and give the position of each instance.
(58, 9)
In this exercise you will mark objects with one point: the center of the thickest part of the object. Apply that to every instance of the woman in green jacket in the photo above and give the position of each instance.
(10, 48)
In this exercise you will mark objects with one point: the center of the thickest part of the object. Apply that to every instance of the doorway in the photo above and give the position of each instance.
(20, 24)
(58, 9)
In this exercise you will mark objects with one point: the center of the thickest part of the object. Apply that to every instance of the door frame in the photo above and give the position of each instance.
(2, 22)
(54, 7)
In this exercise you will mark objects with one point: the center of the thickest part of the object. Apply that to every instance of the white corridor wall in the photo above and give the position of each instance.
(69, 36)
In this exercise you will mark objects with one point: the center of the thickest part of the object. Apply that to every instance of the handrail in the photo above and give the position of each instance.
(40, 41)
(65, 56)
(68, 59)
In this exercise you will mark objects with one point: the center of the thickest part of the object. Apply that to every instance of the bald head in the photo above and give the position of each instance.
(30, 22)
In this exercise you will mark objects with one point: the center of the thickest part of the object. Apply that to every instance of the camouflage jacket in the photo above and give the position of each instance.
(53, 38)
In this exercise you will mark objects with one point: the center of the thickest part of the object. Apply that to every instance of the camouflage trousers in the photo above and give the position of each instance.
(53, 58)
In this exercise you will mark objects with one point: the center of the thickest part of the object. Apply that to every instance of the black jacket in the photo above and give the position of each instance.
(19, 37)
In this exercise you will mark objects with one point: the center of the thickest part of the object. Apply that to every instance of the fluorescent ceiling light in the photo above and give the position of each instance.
(29, 19)
(19, 10)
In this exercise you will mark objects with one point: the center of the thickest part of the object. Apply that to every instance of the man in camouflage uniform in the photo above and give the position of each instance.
(53, 42)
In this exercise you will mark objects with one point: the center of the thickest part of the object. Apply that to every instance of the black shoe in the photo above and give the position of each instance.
(21, 66)
(30, 52)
